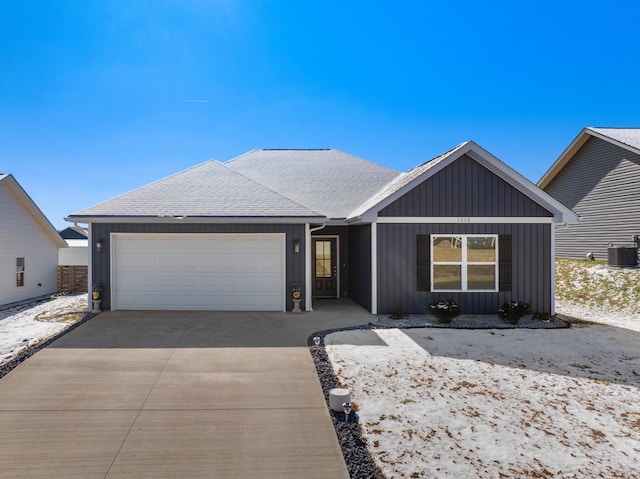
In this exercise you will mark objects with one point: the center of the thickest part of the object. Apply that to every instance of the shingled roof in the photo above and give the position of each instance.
(329, 181)
(627, 136)
(210, 189)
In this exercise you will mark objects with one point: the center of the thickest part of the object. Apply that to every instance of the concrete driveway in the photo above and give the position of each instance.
(174, 394)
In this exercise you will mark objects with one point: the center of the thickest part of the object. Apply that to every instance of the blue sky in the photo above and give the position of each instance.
(97, 97)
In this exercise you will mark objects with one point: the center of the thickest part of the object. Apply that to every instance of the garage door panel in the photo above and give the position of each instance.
(215, 272)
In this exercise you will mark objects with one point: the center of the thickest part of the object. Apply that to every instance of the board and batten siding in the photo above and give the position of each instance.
(601, 183)
(464, 188)
(21, 236)
(398, 278)
(101, 272)
(360, 265)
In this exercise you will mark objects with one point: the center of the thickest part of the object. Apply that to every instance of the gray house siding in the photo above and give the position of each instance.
(601, 183)
(101, 261)
(464, 188)
(360, 265)
(530, 267)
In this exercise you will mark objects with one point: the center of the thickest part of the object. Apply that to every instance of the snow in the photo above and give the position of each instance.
(31, 323)
(602, 315)
(448, 403)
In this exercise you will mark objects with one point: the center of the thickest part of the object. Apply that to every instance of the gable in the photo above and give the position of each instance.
(464, 188)
(599, 173)
(20, 216)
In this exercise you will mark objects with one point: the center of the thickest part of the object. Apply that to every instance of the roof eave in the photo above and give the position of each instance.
(573, 148)
(561, 214)
(564, 158)
(35, 211)
(178, 219)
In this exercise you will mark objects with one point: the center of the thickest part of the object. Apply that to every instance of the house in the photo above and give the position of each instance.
(28, 246)
(598, 177)
(74, 236)
(238, 235)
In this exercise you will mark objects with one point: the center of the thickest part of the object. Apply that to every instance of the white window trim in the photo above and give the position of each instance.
(464, 263)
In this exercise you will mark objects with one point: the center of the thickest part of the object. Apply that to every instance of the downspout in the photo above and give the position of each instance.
(90, 265)
(553, 268)
(374, 268)
(307, 265)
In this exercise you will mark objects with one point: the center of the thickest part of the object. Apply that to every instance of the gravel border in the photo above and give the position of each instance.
(470, 321)
(359, 462)
(354, 450)
(9, 366)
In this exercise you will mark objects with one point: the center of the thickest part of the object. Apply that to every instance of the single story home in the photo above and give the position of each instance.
(598, 177)
(241, 235)
(28, 246)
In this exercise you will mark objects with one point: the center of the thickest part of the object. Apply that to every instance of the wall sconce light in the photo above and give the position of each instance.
(99, 246)
(296, 246)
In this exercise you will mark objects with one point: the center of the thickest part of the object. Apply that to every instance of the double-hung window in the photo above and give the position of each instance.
(464, 262)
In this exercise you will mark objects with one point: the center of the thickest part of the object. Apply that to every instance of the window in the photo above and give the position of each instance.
(19, 272)
(323, 259)
(464, 263)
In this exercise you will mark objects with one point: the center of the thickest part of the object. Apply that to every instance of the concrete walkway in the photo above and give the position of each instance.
(175, 394)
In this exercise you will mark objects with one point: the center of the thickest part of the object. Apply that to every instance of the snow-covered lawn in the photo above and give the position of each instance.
(443, 403)
(32, 323)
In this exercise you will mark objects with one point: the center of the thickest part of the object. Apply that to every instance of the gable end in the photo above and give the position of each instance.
(465, 188)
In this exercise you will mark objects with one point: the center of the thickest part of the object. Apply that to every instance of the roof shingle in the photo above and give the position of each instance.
(207, 190)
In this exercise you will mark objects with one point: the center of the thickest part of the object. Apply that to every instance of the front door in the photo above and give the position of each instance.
(325, 268)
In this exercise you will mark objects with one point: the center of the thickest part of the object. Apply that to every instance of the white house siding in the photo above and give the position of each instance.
(22, 237)
(74, 256)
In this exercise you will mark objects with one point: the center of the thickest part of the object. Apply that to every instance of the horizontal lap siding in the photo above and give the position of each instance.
(101, 271)
(601, 183)
(22, 237)
(464, 188)
(397, 267)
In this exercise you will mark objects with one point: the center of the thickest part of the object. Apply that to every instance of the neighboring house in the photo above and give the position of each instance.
(73, 261)
(28, 246)
(238, 235)
(598, 177)
(75, 236)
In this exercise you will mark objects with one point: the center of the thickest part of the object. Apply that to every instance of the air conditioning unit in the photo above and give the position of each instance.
(622, 256)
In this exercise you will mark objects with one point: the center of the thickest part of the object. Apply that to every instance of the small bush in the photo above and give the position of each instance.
(398, 314)
(445, 311)
(513, 311)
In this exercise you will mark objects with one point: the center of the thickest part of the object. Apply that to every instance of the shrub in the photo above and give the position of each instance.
(398, 314)
(445, 311)
(513, 311)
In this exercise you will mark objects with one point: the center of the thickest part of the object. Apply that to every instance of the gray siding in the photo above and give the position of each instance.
(101, 272)
(397, 268)
(360, 265)
(601, 183)
(464, 188)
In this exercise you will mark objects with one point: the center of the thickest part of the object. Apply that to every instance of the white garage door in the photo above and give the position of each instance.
(218, 272)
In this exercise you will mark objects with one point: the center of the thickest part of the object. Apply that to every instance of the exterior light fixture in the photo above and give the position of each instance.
(346, 407)
(296, 246)
(99, 246)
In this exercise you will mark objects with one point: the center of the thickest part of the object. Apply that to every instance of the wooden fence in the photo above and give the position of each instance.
(72, 279)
